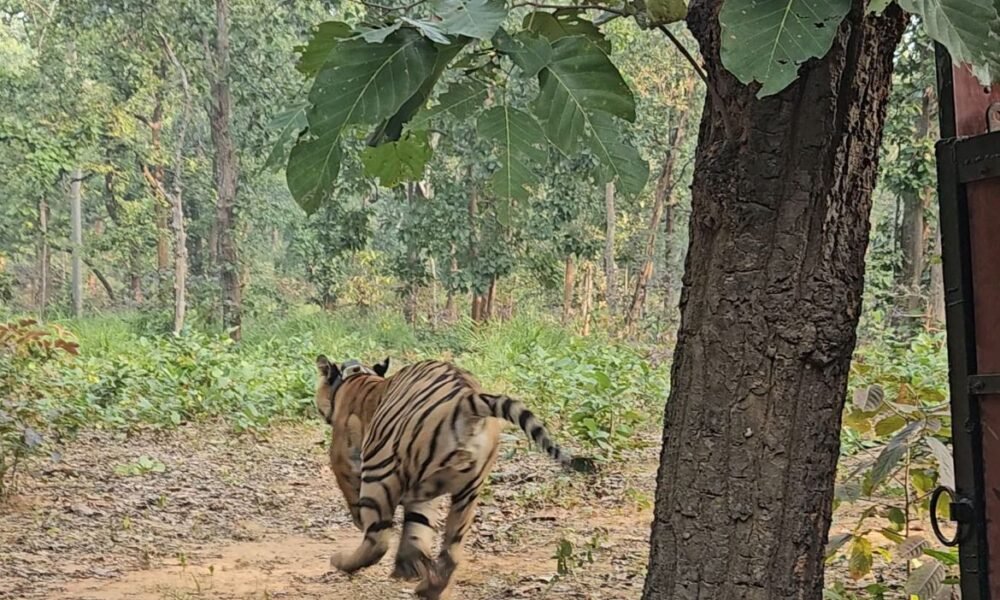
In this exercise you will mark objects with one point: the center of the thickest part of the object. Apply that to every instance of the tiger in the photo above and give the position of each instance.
(427, 431)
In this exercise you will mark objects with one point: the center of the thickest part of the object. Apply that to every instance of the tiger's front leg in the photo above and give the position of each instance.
(376, 505)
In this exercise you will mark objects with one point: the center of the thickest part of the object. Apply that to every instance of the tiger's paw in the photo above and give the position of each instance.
(341, 562)
(413, 565)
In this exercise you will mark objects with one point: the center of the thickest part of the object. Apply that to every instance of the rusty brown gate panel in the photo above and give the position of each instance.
(968, 164)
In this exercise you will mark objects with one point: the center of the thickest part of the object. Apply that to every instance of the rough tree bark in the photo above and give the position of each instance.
(226, 175)
(76, 240)
(664, 186)
(769, 308)
(610, 271)
(913, 230)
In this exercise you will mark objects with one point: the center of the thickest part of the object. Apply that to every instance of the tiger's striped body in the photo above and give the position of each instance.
(433, 433)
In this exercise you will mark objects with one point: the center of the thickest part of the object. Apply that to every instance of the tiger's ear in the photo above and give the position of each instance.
(327, 369)
(383, 368)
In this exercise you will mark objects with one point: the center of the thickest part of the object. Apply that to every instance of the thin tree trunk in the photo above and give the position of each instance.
(569, 284)
(450, 308)
(667, 276)
(44, 258)
(588, 295)
(610, 271)
(477, 299)
(912, 231)
(226, 176)
(175, 197)
(771, 299)
(491, 297)
(161, 206)
(664, 186)
(936, 307)
(76, 240)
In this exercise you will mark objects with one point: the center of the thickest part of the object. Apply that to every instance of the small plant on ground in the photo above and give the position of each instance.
(31, 358)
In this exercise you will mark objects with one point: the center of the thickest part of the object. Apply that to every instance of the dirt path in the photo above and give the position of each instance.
(200, 513)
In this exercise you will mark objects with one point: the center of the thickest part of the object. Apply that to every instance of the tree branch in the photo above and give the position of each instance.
(716, 97)
(97, 272)
(586, 6)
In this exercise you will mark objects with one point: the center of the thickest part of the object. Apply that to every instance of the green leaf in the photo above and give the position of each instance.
(619, 162)
(429, 30)
(891, 455)
(947, 557)
(520, 143)
(317, 49)
(889, 425)
(969, 29)
(767, 40)
(665, 12)
(877, 7)
(925, 581)
(312, 168)
(946, 464)
(579, 81)
(392, 128)
(897, 517)
(359, 83)
(461, 100)
(365, 83)
(566, 23)
(477, 19)
(529, 51)
(289, 124)
(377, 35)
(860, 562)
(396, 162)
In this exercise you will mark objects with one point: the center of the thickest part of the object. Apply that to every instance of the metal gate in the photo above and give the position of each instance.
(968, 165)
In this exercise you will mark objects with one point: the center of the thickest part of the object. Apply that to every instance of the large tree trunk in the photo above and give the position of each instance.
(610, 272)
(769, 308)
(76, 240)
(226, 168)
(664, 186)
(450, 308)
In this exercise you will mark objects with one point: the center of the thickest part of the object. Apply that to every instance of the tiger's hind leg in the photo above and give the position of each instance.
(460, 517)
(376, 505)
(413, 559)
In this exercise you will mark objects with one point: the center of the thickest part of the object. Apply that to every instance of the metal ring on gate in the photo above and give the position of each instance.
(935, 496)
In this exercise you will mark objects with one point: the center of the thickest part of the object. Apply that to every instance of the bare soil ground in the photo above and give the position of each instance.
(237, 517)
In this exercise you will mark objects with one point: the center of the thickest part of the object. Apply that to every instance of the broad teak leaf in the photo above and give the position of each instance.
(767, 40)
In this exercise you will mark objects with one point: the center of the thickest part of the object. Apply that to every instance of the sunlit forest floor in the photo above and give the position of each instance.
(200, 513)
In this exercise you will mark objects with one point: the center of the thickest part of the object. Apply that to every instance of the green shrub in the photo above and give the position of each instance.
(32, 359)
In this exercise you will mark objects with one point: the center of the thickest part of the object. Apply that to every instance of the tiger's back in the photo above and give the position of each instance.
(433, 432)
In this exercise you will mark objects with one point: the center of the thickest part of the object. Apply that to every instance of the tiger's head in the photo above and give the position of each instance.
(350, 386)
(347, 397)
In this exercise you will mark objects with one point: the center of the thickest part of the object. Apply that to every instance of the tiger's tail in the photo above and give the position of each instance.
(514, 411)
